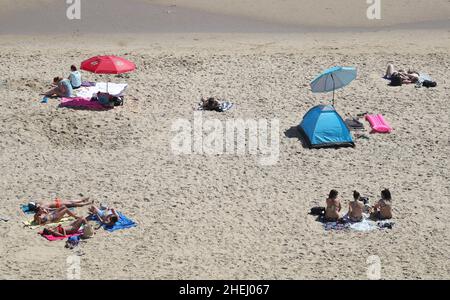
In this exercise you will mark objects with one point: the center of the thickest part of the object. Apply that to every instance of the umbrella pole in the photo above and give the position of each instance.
(334, 85)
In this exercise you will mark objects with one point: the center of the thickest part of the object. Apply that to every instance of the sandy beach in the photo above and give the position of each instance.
(226, 216)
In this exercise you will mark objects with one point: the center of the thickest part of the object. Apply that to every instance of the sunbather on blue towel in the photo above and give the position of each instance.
(110, 219)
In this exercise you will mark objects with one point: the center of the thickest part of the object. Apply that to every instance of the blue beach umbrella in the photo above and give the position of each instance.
(333, 79)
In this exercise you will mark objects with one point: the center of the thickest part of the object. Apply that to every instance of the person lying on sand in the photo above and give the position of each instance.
(382, 210)
(355, 208)
(107, 216)
(58, 203)
(210, 104)
(63, 88)
(44, 216)
(60, 231)
(333, 207)
(401, 77)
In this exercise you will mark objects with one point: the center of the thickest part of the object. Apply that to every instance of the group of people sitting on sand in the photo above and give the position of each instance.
(54, 211)
(381, 210)
(64, 87)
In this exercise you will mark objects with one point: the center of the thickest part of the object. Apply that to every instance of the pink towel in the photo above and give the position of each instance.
(378, 123)
(52, 238)
(83, 103)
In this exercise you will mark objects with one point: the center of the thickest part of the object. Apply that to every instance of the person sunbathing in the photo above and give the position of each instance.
(333, 207)
(382, 210)
(44, 216)
(355, 208)
(401, 77)
(58, 203)
(210, 104)
(63, 88)
(60, 231)
(107, 216)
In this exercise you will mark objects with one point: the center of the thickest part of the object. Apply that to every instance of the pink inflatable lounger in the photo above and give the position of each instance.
(378, 123)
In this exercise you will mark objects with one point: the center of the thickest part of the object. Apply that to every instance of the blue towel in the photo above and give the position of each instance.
(123, 223)
(26, 209)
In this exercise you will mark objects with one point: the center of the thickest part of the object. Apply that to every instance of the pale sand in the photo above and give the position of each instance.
(223, 217)
(226, 216)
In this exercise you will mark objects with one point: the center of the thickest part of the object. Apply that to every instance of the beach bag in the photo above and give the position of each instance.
(429, 83)
(88, 232)
(317, 211)
(117, 101)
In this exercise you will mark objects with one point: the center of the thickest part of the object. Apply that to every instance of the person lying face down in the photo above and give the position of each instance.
(60, 231)
(45, 216)
(108, 216)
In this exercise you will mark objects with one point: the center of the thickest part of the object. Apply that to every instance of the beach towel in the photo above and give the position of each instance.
(223, 106)
(114, 89)
(354, 124)
(368, 225)
(26, 209)
(52, 238)
(87, 83)
(32, 225)
(123, 223)
(82, 103)
(378, 124)
(364, 226)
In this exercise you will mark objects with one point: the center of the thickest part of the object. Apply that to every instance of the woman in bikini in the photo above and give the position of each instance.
(44, 216)
(107, 216)
(58, 203)
(60, 231)
(355, 208)
(333, 207)
(382, 210)
(401, 76)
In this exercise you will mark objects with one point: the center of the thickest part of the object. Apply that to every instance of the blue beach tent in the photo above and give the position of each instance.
(323, 127)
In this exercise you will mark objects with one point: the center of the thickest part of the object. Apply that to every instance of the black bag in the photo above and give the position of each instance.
(117, 101)
(428, 83)
(317, 211)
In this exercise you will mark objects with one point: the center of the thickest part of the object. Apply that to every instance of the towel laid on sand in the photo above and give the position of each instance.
(52, 238)
(87, 83)
(354, 124)
(26, 209)
(32, 225)
(82, 103)
(114, 89)
(364, 226)
(123, 223)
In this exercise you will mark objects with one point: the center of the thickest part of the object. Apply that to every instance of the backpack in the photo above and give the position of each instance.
(428, 83)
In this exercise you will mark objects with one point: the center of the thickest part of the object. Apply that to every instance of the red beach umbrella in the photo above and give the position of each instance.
(107, 65)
